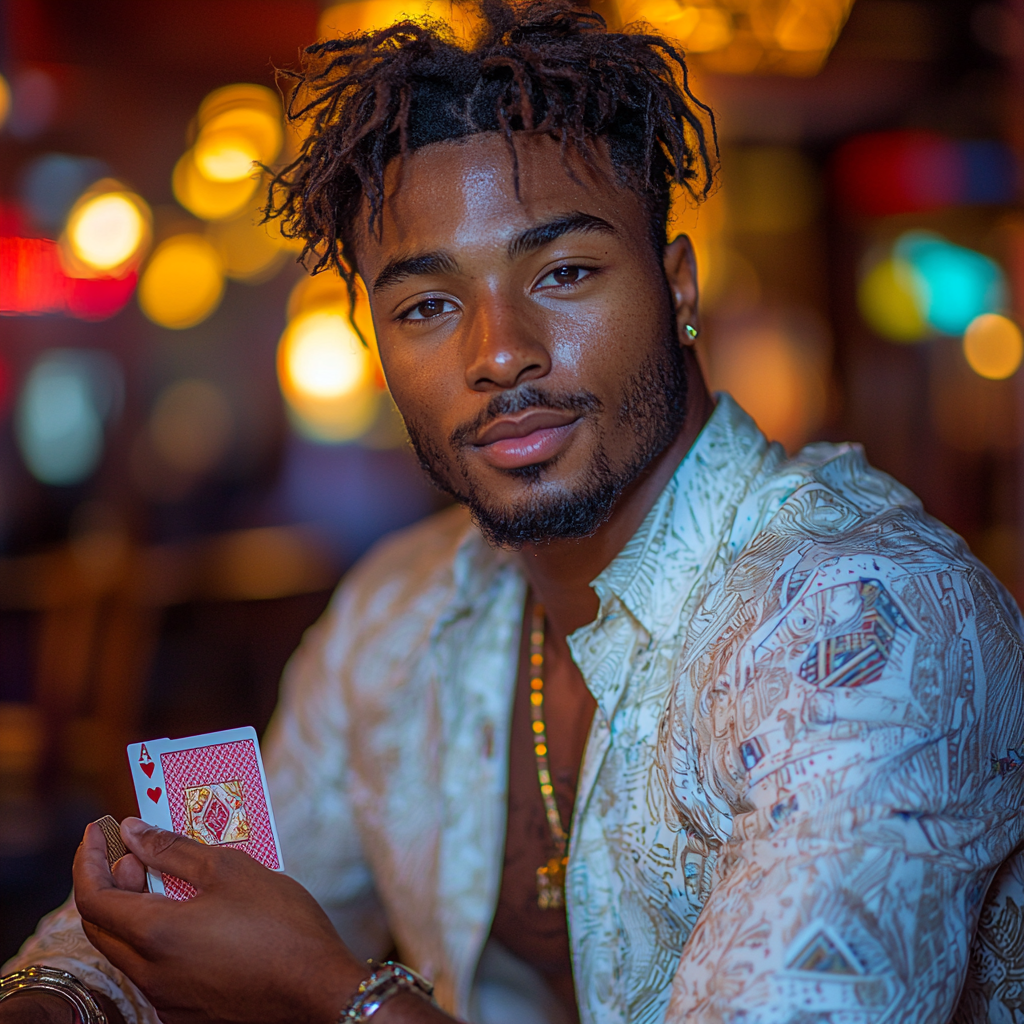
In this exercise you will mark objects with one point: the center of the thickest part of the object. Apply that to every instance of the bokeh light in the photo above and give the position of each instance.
(60, 413)
(888, 301)
(33, 281)
(238, 127)
(209, 200)
(910, 171)
(237, 131)
(5, 100)
(993, 346)
(955, 284)
(182, 283)
(793, 37)
(322, 357)
(225, 156)
(369, 15)
(107, 230)
(190, 426)
(327, 377)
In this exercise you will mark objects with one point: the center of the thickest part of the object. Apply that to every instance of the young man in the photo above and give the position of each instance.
(666, 727)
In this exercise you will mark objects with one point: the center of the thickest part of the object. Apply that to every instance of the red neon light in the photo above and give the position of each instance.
(33, 282)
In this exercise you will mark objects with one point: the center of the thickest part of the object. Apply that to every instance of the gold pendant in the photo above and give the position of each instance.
(551, 884)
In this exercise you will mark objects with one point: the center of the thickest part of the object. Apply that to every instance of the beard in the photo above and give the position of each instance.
(652, 407)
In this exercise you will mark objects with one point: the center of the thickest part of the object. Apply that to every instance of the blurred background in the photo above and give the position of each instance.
(194, 446)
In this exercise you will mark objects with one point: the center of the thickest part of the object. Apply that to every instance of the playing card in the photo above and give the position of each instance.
(112, 834)
(211, 788)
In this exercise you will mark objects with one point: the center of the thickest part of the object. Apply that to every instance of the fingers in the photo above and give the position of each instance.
(130, 873)
(167, 851)
(97, 897)
(91, 860)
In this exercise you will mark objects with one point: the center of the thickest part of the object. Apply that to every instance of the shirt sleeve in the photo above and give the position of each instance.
(60, 942)
(306, 760)
(862, 729)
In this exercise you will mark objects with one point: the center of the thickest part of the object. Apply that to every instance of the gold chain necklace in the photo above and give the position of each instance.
(550, 877)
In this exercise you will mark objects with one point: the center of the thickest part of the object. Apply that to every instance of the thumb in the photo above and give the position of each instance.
(166, 851)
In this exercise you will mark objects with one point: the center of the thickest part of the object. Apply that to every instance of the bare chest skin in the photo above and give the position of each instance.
(541, 937)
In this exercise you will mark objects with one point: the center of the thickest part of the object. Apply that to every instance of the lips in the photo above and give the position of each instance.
(535, 437)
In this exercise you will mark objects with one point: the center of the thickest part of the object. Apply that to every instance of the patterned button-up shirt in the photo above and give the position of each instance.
(801, 780)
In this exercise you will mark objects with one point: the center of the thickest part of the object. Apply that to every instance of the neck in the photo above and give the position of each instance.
(560, 572)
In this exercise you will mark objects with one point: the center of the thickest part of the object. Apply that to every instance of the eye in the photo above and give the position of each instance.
(428, 308)
(567, 274)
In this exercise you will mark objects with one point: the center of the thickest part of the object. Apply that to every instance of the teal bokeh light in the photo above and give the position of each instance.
(63, 404)
(954, 284)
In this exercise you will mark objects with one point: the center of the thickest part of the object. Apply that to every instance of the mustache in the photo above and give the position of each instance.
(519, 399)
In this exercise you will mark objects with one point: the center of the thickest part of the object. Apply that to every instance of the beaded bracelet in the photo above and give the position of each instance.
(387, 980)
(58, 983)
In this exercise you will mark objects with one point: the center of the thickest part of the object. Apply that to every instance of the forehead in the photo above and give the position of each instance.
(460, 194)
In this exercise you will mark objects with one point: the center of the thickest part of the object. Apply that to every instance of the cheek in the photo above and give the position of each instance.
(420, 384)
(603, 347)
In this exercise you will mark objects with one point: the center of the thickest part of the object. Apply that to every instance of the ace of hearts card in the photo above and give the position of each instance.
(211, 788)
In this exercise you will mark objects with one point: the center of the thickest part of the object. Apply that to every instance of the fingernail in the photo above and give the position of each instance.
(134, 825)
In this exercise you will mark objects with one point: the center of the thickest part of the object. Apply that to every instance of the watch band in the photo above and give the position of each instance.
(387, 980)
(58, 983)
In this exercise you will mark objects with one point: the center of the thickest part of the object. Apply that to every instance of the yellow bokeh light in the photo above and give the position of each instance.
(993, 346)
(889, 301)
(5, 100)
(261, 130)
(321, 356)
(182, 283)
(245, 95)
(370, 15)
(225, 156)
(327, 377)
(107, 229)
(209, 200)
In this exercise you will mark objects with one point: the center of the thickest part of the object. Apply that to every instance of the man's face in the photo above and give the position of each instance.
(528, 341)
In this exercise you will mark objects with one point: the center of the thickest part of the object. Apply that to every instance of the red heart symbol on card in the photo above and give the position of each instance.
(154, 794)
(148, 769)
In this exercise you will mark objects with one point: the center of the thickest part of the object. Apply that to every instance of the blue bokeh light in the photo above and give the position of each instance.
(955, 284)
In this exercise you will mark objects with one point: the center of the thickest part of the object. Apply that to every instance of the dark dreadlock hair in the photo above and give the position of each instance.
(543, 67)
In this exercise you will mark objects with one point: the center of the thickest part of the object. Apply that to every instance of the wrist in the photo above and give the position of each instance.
(40, 981)
(389, 982)
(337, 983)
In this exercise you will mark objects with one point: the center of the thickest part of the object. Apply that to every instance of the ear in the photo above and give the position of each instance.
(681, 274)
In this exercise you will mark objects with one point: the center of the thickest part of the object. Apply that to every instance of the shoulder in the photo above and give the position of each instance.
(408, 573)
(851, 596)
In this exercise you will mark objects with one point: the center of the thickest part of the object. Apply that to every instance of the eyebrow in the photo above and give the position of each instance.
(408, 266)
(528, 241)
(544, 234)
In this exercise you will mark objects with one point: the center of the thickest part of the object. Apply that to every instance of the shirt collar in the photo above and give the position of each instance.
(690, 521)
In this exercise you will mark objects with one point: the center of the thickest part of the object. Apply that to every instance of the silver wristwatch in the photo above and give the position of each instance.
(59, 983)
(387, 980)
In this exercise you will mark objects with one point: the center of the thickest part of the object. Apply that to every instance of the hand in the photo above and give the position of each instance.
(253, 945)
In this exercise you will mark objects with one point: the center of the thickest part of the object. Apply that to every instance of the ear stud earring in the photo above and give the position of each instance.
(691, 332)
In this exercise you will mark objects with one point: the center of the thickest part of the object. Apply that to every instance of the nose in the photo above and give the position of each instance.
(503, 349)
